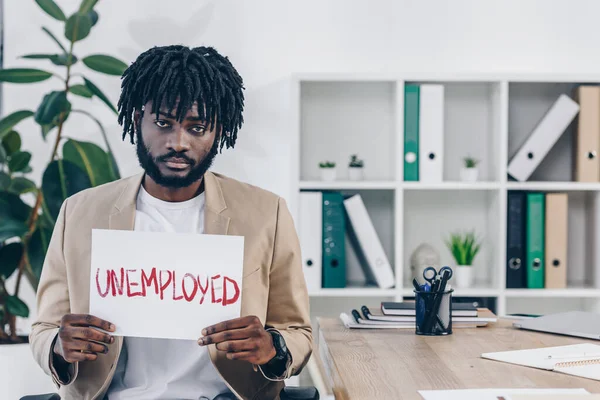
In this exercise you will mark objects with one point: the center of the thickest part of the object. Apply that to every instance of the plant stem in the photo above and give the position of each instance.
(38, 201)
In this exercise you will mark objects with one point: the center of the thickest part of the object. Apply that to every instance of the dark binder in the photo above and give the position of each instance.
(334, 231)
(516, 275)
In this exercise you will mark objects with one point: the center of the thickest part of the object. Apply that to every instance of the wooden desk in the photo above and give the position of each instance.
(395, 364)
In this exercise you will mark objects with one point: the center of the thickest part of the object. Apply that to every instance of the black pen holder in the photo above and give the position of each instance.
(433, 313)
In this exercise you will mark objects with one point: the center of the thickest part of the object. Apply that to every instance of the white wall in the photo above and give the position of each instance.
(268, 40)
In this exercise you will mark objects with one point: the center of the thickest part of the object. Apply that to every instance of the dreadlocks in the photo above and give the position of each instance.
(177, 76)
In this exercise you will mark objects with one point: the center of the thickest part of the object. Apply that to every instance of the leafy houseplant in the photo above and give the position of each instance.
(328, 170)
(464, 248)
(469, 172)
(355, 168)
(25, 230)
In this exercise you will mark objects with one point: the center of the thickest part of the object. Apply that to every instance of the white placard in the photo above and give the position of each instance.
(165, 285)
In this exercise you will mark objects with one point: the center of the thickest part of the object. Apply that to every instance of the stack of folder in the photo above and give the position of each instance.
(326, 219)
(401, 315)
(537, 240)
(584, 110)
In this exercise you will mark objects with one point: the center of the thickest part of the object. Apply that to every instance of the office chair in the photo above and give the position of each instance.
(287, 393)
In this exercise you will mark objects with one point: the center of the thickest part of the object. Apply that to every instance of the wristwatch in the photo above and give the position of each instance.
(278, 364)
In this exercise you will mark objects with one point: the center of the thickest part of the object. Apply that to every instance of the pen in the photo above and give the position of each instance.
(356, 316)
(441, 287)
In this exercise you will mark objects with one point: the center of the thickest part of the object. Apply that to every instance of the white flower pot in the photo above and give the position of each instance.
(328, 174)
(469, 174)
(463, 276)
(355, 173)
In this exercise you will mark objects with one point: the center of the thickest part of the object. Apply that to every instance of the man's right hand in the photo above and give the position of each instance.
(80, 339)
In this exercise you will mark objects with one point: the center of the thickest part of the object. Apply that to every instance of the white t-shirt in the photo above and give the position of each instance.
(164, 368)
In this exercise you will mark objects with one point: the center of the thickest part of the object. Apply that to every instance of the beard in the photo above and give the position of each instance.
(149, 163)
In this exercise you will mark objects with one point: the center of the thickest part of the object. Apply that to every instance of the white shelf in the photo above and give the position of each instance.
(354, 292)
(450, 186)
(554, 186)
(348, 185)
(487, 116)
(568, 292)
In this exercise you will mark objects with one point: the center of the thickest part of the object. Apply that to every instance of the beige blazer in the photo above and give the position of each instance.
(273, 286)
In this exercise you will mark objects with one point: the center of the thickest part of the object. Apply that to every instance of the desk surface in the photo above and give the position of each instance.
(395, 364)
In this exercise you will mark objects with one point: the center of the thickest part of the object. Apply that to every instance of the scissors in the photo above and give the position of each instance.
(430, 274)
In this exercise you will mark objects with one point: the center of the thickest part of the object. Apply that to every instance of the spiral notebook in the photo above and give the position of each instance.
(581, 360)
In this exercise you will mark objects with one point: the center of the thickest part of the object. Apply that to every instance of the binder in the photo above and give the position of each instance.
(515, 241)
(310, 229)
(543, 137)
(535, 240)
(334, 249)
(587, 135)
(431, 133)
(368, 245)
(557, 210)
(411, 132)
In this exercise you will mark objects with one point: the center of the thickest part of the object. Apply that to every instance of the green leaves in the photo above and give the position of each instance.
(55, 39)
(7, 123)
(13, 208)
(62, 179)
(11, 142)
(105, 64)
(464, 248)
(21, 185)
(97, 92)
(23, 75)
(53, 104)
(2, 155)
(4, 180)
(78, 27)
(87, 5)
(57, 59)
(10, 255)
(89, 158)
(10, 228)
(52, 9)
(81, 90)
(16, 306)
(36, 251)
(19, 161)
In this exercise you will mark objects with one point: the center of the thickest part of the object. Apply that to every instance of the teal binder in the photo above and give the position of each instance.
(334, 230)
(411, 132)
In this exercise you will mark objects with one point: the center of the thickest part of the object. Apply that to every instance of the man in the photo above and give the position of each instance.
(180, 106)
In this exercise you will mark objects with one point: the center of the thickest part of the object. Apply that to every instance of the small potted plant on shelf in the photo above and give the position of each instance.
(328, 171)
(469, 172)
(355, 168)
(464, 248)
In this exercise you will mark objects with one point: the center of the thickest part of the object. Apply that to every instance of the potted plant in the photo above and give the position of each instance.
(469, 171)
(355, 168)
(328, 171)
(73, 166)
(464, 248)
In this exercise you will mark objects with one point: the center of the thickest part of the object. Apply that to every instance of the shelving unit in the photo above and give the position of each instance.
(487, 117)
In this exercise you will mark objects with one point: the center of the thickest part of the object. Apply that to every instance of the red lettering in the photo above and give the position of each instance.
(174, 284)
(212, 287)
(165, 285)
(147, 281)
(130, 284)
(234, 298)
(116, 286)
(203, 289)
(98, 283)
(189, 297)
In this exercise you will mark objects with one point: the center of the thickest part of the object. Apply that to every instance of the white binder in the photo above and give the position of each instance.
(370, 249)
(543, 137)
(310, 229)
(431, 133)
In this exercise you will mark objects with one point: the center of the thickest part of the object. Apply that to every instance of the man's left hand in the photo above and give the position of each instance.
(242, 338)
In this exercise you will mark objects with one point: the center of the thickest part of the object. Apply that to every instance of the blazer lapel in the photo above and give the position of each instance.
(123, 217)
(215, 223)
